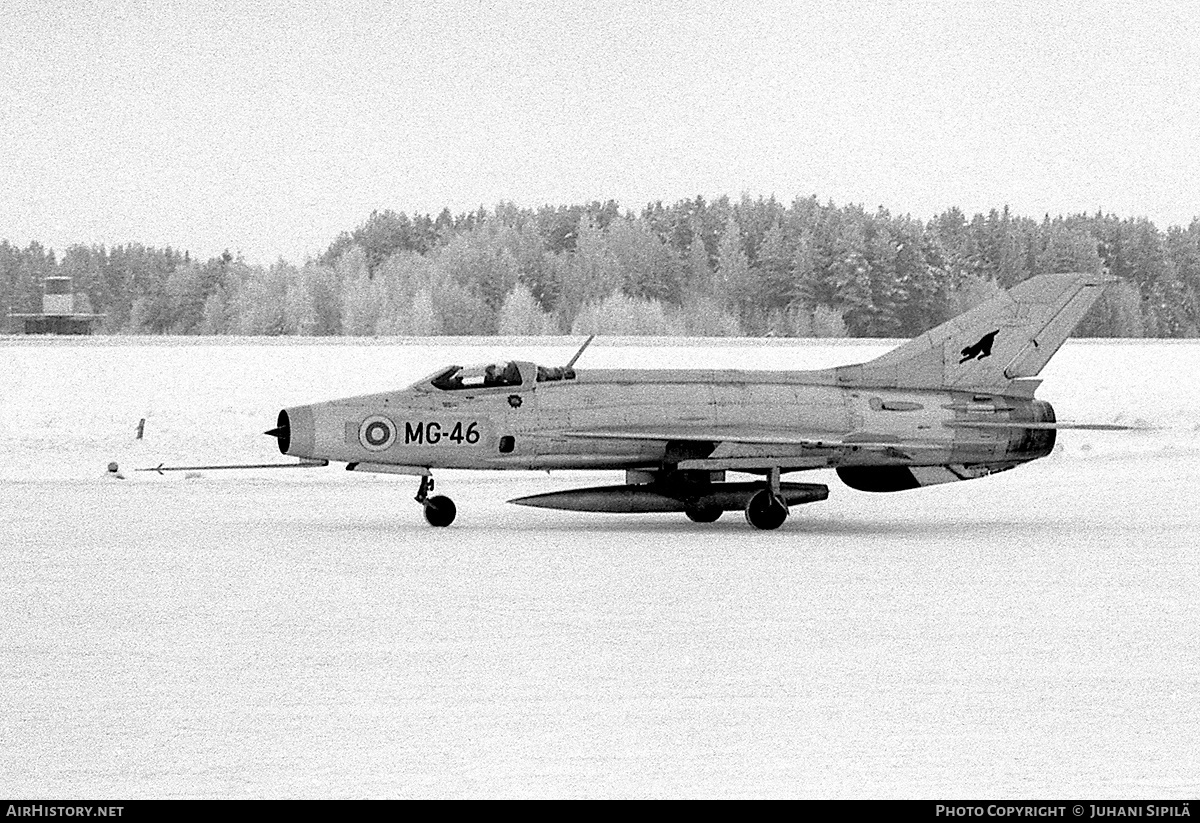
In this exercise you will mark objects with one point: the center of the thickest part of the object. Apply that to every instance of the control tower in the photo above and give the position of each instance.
(60, 311)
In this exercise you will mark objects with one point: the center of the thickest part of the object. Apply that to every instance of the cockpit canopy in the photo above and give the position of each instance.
(495, 375)
(490, 376)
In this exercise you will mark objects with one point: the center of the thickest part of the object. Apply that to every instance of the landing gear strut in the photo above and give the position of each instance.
(767, 509)
(439, 510)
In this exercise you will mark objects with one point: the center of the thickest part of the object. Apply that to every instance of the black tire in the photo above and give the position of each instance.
(440, 511)
(766, 511)
(702, 514)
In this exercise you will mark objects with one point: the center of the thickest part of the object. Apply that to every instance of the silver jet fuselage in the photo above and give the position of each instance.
(689, 420)
(955, 403)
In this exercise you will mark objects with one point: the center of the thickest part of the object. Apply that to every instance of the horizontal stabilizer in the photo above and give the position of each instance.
(1017, 424)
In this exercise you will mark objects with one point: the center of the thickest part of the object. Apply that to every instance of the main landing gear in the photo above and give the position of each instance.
(767, 509)
(439, 510)
(703, 514)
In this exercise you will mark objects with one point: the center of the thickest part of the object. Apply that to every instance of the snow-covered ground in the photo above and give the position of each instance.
(306, 634)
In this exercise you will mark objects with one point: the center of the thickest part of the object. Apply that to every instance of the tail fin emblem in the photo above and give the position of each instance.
(981, 349)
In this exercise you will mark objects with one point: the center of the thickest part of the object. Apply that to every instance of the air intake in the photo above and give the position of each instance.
(282, 432)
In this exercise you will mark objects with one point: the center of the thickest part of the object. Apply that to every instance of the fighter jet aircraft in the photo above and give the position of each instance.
(956, 403)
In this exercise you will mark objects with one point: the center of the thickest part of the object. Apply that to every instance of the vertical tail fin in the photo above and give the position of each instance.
(1011, 336)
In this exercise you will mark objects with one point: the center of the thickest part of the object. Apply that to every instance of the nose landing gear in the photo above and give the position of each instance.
(439, 510)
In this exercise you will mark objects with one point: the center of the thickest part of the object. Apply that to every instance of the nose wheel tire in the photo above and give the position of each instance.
(440, 511)
(702, 514)
(766, 511)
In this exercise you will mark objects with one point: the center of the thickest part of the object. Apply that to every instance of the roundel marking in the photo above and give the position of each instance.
(377, 433)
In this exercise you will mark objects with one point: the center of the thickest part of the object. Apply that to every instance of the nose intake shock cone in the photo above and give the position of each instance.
(282, 432)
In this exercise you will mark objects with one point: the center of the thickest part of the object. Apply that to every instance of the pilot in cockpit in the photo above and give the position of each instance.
(506, 375)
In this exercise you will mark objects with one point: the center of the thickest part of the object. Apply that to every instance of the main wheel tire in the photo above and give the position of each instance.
(440, 510)
(766, 511)
(702, 514)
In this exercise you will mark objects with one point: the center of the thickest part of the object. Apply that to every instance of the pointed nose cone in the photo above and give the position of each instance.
(282, 432)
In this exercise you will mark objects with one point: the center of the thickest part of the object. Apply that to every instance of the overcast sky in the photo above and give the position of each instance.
(207, 126)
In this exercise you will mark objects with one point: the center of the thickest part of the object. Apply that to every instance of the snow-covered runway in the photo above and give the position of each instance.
(1029, 634)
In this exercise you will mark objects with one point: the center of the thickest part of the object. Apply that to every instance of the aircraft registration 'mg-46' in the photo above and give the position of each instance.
(954, 404)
